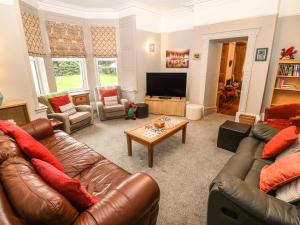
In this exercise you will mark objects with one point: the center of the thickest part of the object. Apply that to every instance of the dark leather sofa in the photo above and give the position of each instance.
(125, 199)
(235, 198)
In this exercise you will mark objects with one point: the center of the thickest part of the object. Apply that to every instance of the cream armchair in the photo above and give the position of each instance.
(110, 112)
(83, 117)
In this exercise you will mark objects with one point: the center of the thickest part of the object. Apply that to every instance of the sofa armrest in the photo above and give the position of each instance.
(100, 110)
(124, 102)
(63, 117)
(86, 108)
(132, 200)
(39, 128)
(258, 204)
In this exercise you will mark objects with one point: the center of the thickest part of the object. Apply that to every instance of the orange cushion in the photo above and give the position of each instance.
(58, 101)
(280, 172)
(280, 142)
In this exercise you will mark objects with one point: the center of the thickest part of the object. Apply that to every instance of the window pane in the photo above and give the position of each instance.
(107, 72)
(35, 76)
(67, 75)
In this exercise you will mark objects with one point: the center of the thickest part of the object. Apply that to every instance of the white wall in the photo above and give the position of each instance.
(15, 74)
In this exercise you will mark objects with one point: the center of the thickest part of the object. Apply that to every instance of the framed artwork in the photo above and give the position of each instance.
(261, 54)
(177, 58)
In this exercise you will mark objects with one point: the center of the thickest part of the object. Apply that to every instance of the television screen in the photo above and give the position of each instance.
(166, 84)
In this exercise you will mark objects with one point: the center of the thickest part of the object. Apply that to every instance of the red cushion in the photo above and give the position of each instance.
(107, 92)
(280, 142)
(280, 172)
(68, 187)
(58, 101)
(31, 147)
(278, 123)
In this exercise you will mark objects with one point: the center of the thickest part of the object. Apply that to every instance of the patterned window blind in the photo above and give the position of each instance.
(104, 41)
(66, 40)
(31, 24)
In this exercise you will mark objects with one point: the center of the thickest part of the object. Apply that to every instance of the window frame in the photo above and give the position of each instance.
(40, 74)
(83, 73)
(98, 72)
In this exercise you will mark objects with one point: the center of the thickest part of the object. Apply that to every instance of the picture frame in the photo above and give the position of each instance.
(261, 54)
(177, 58)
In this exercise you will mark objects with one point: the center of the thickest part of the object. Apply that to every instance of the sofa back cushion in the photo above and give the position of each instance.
(68, 187)
(280, 142)
(44, 100)
(8, 148)
(282, 111)
(33, 200)
(59, 101)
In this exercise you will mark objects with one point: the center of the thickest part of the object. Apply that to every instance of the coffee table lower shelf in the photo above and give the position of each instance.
(150, 144)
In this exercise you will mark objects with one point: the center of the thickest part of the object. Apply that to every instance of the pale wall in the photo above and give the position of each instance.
(146, 61)
(15, 74)
(287, 34)
(192, 39)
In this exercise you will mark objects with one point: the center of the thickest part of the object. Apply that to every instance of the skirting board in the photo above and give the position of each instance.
(209, 110)
(237, 116)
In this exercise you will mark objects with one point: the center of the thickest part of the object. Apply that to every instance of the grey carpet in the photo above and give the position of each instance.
(183, 172)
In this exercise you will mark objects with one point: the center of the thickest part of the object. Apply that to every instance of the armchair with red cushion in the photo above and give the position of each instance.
(283, 116)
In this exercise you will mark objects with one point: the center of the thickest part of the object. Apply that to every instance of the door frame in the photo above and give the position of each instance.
(251, 34)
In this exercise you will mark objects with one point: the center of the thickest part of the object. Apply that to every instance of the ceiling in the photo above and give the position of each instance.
(159, 5)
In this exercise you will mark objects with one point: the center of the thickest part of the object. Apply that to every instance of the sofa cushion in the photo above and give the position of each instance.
(112, 100)
(44, 100)
(280, 142)
(292, 149)
(289, 192)
(264, 132)
(34, 200)
(73, 155)
(107, 92)
(68, 187)
(31, 147)
(58, 101)
(102, 177)
(252, 177)
(8, 148)
(114, 108)
(68, 109)
(280, 172)
(79, 116)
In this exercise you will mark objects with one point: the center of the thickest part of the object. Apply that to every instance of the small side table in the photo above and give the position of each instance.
(231, 134)
(57, 124)
(142, 110)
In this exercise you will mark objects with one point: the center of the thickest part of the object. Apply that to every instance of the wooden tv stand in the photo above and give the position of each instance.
(175, 106)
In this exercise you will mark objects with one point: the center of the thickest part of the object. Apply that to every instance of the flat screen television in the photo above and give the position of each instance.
(166, 84)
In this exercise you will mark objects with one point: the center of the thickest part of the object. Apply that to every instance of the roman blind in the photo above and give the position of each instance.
(104, 41)
(31, 24)
(66, 40)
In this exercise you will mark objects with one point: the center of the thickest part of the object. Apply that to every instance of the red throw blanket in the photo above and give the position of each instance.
(31, 147)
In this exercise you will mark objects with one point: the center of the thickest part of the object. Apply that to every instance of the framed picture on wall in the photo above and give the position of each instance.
(261, 54)
(177, 58)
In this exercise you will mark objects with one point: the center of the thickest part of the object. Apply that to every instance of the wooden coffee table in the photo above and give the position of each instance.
(138, 134)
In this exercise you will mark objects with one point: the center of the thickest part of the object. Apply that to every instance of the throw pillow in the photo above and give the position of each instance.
(68, 109)
(280, 172)
(292, 149)
(280, 142)
(56, 102)
(31, 147)
(289, 192)
(107, 92)
(113, 100)
(68, 187)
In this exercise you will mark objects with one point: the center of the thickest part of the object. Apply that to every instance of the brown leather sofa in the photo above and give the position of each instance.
(125, 199)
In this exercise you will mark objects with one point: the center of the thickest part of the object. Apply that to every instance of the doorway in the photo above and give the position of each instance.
(232, 62)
